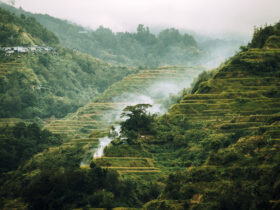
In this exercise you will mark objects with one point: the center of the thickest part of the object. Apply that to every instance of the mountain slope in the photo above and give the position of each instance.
(219, 146)
(67, 162)
(46, 81)
(228, 147)
(23, 31)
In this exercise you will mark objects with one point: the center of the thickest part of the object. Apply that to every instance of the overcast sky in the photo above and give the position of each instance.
(206, 16)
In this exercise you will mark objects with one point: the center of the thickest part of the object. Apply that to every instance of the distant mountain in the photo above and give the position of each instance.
(143, 48)
(168, 47)
(40, 78)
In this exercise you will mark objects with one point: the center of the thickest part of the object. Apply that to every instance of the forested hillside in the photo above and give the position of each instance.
(46, 83)
(142, 48)
(23, 31)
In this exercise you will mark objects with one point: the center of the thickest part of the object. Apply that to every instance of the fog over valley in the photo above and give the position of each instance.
(140, 104)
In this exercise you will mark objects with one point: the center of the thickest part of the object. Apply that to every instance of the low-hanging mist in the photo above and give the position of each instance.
(156, 95)
(214, 16)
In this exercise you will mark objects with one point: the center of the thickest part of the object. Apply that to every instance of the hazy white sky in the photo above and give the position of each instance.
(211, 16)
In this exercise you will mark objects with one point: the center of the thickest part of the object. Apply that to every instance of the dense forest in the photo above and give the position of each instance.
(20, 142)
(216, 146)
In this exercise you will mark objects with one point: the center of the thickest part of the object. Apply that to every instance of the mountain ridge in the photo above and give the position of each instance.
(169, 47)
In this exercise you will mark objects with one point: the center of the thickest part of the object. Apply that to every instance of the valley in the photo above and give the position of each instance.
(142, 87)
(136, 120)
(93, 121)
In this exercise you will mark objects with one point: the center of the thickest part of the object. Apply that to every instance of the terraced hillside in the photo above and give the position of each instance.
(95, 117)
(219, 147)
(126, 166)
(240, 101)
(229, 153)
(89, 123)
(237, 97)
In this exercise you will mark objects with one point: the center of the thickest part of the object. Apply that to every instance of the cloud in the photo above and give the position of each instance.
(207, 16)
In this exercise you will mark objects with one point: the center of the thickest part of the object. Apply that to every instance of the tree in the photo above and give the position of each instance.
(12, 2)
(144, 36)
(137, 121)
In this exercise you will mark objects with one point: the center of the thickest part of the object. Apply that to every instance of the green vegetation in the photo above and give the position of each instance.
(95, 117)
(48, 84)
(203, 77)
(138, 121)
(217, 147)
(54, 179)
(52, 173)
(142, 48)
(53, 85)
(23, 31)
(264, 35)
(20, 142)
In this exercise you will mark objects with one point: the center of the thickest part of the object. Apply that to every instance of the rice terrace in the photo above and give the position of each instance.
(127, 105)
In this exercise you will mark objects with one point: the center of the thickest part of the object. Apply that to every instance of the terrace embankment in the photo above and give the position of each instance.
(93, 120)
